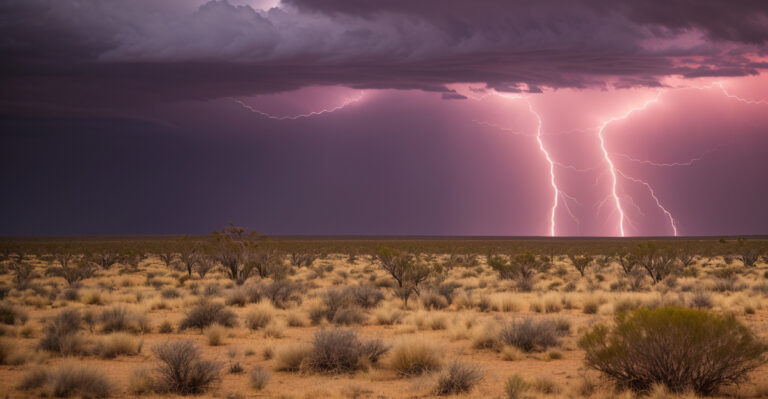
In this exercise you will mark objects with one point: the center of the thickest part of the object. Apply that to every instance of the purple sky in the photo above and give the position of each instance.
(384, 117)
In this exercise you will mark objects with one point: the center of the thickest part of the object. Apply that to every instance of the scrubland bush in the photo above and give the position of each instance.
(33, 379)
(338, 305)
(119, 344)
(530, 335)
(181, 369)
(414, 356)
(682, 349)
(68, 380)
(521, 268)
(338, 351)
(292, 357)
(62, 334)
(701, 300)
(215, 335)
(458, 378)
(237, 297)
(10, 314)
(516, 386)
(282, 293)
(165, 327)
(6, 349)
(407, 271)
(120, 318)
(140, 381)
(433, 300)
(206, 313)
(259, 378)
(387, 316)
(259, 317)
(275, 328)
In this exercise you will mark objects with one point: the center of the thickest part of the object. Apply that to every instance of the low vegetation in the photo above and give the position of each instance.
(237, 314)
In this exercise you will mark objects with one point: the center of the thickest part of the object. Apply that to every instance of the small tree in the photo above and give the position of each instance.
(300, 259)
(205, 264)
(23, 272)
(73, 271)
(168, 256)
(683, 349)
(522, 268)
(407, 271)
(580, 262)
(657, 261)
(686, 255)
(232, 244)
(267, 262)
(748, 253)
(189, 257)
(627, 263)
(106, 258)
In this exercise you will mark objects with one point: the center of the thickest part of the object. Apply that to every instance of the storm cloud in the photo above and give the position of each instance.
(77, 56)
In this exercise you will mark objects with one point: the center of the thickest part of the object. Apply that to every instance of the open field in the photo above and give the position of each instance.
(344, 318)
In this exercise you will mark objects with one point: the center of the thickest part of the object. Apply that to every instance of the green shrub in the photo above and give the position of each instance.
(682, 349)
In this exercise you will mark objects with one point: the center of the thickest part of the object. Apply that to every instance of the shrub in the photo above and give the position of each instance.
(237, 297)
(182, 370)
(338, 351)
(458, 378)
(365, 296)
(347, 316)
(140, 381)
(683, 349)
(292, 357)
(433, 300)
(6, 349)
(529, 334)
(10, 314)
(170, 293)
(259, 378)
(119, 318)
(590, 306)
(73, 380)
(387, 316)
(33, 379)
(546, 386)
(165, 327)
(207, 313)
(215, 335)
(119, 344)
(258, 317)
(61, 334)
(415, 356)
(275, 328)
(283, 293)
(701, 300)
(338, 305)
(516, 386)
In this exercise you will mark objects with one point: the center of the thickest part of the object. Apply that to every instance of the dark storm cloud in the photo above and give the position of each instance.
(65, 55)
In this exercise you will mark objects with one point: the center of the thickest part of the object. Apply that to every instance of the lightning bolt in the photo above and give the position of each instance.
(671, 164)
(300, 116)
(606, 156)
(552, 181)
(764, 101)
(499, 127)
(655, 198)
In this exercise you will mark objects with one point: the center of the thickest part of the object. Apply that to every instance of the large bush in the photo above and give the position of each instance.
(338, 351)
(683, 349)
(206, 313)
(182, 370)
(530, 335)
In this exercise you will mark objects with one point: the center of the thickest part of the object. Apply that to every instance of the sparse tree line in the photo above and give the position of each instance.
(242, 254)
